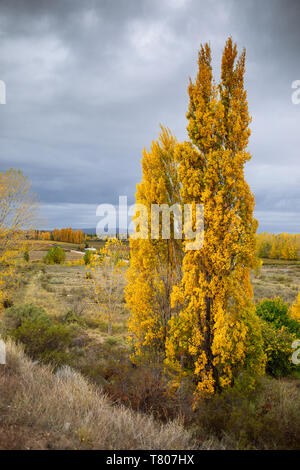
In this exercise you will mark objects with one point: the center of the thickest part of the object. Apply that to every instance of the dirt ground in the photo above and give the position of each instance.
(277, 279)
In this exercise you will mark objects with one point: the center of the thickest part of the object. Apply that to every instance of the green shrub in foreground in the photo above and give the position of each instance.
(44, 341)
(15, 316)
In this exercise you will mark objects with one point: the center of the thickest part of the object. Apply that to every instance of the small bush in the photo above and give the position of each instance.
(276, 311)
(78, 304)
(111, 340)
(71, 317)
(144, 387)
(64, 292)
(44, 341)
(26, 255)
(47, 287)
(278, 348)
(87, 257)
(92, 322)
(15, 316)
(55, 255)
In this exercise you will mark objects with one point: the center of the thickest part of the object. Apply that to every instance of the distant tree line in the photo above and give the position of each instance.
(60, 235)
(280, 246)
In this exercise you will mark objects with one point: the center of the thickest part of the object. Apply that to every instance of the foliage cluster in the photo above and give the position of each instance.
(55, 255)
(281, 246)
(43, 339)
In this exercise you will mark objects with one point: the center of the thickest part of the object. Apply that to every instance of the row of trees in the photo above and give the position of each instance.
(62, 235)
(68, 235)
(195, 308)
(281, 246)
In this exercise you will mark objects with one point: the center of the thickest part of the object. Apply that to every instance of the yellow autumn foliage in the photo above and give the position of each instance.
(278, 246)
(295, 309)
(217, 334)
(155, 264)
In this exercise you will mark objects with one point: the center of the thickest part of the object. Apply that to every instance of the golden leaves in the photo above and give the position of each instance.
(211, 172)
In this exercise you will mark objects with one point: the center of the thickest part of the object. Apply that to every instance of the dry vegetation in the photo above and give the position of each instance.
(43, 410)
(277, 278)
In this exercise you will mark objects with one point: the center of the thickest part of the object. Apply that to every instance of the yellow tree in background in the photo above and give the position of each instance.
(280, 246)
(17, 215)
(155, 264)
(217, 334)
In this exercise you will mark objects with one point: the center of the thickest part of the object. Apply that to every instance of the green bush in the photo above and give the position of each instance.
(15, 316)
(87, 257)
(44, 341)
(278, 349)
(26, 254)
(112, 340)
(55, 255)
(275, 311)
(71, 317)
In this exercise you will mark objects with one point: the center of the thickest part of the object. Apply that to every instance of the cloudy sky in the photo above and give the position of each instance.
(88, 83)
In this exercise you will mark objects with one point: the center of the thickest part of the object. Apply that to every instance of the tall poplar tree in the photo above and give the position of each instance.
(217, 335)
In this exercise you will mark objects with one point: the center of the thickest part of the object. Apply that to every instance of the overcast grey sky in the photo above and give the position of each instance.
(88, 83)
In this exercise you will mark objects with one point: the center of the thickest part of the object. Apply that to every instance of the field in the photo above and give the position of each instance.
(38, 249)
(63, 288)
(58, 287)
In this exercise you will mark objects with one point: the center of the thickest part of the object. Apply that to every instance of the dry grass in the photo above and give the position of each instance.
(64, 411)
(40, 409)
(60, 288)
(277, 279)
(38, 255)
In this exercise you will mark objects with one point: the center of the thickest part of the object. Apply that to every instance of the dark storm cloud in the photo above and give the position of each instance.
(88, 83)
